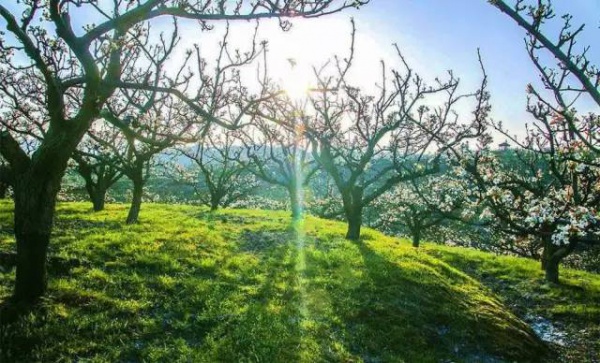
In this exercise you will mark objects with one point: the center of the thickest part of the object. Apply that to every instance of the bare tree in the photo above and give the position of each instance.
(222, 179)
(277, 150)
(159, 125)
(55, 84)
(97, 164)
(369, 143)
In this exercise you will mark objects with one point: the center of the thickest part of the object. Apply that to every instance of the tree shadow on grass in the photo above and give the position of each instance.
(397, 307)
(268, 325)
(15, 341)
(231, 316)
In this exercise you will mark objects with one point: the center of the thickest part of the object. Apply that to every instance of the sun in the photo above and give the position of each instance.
(296, 82)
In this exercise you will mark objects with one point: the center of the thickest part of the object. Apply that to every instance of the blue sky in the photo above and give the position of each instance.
(434, 35)
(444, 34)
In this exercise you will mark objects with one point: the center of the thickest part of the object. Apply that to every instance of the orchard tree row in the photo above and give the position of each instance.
(110, 97)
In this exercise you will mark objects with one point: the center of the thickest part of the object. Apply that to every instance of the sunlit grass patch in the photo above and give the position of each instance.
(187, 284)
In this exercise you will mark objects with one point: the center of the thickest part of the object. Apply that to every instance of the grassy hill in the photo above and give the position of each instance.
(251, 286)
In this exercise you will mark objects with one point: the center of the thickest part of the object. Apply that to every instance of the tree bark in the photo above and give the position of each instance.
(552, 255)
(35, 201)
(3, 190)
(98, 199)
(352, 199)
(136, 201)
(295, 203)
(551, 271)
(354, 218)
(416, 237)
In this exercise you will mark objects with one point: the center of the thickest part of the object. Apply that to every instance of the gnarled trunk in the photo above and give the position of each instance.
(136, 201)
(552, 255)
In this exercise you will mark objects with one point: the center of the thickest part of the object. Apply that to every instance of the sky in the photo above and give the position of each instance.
(438, 35)
(433, 35)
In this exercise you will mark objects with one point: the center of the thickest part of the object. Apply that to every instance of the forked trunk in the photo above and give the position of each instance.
(552, 255)
(98, 199)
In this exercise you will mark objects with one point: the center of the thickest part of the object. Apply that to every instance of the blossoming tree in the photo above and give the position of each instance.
(552, 193)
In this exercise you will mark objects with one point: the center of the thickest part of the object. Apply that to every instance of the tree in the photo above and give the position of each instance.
(55, 83)
(543, 201)
(97, 165)
(223, 180)
(278, 153)
(159, 125)
(558, 204)
(418, 205)
(369, 143)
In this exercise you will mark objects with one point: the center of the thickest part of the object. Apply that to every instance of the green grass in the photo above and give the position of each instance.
(250, 286)
(573, 305)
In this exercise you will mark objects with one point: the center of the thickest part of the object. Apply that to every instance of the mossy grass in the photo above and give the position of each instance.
(187, 284)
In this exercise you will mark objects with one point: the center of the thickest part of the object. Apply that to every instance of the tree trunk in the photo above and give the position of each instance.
(353, 208)
(96, 192)
(31, 279)
(35, 201)
(416, 237)
(3, 190)
(354, 218)
(98, 199)
(217, 194)
(136, 201)
(552, 255)
(551, 270)
(295, 203)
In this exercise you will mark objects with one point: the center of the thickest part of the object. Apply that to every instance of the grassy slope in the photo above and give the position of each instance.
(573, 306)
(239, 286)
